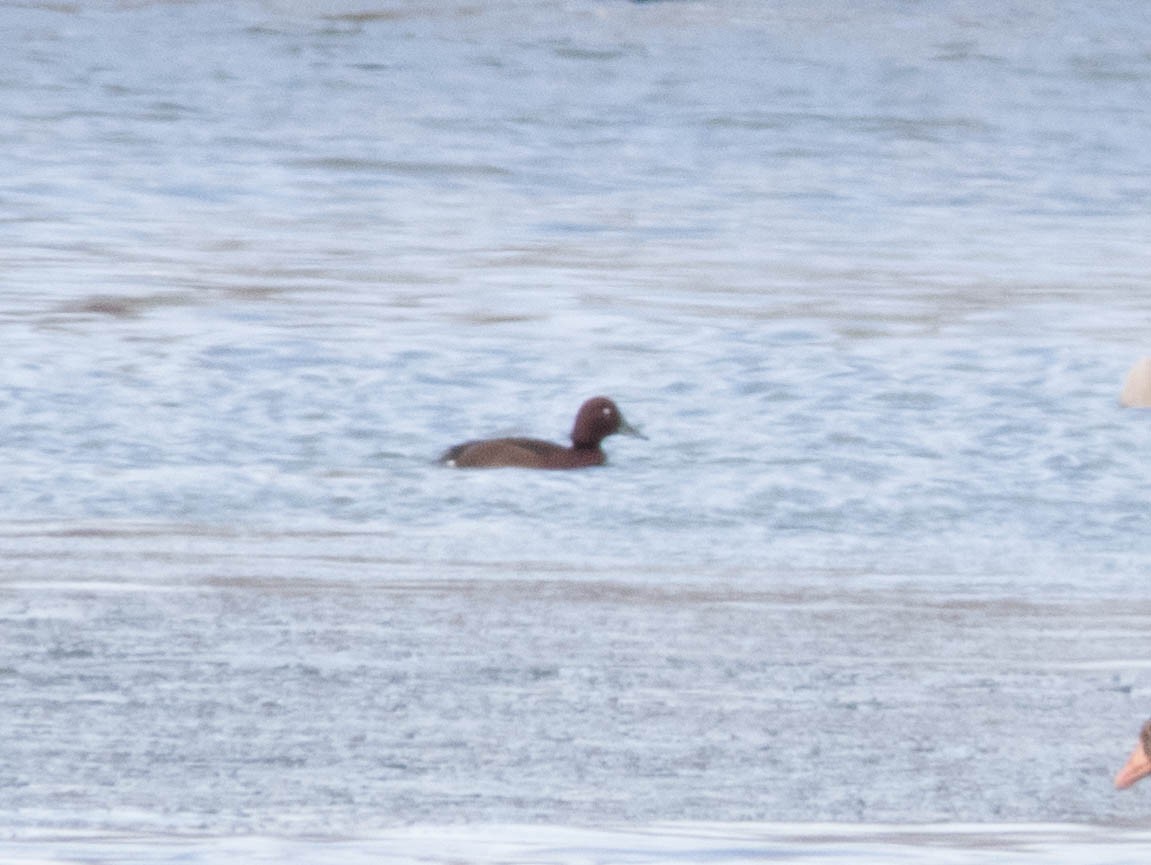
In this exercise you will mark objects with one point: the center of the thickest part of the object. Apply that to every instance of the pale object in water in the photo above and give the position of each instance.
(1138, 765)
(1137, 388)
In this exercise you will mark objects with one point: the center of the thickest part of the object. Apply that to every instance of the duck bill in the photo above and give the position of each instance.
(628, 430)
(1138, 766)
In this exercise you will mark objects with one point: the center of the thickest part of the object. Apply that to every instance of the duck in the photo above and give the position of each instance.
(1138, 765)
(598, 418)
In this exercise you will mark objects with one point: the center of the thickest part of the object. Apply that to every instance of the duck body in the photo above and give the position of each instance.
(597, 418)
(521, 453)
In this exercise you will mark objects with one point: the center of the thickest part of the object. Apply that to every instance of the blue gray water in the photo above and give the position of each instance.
(869, 277)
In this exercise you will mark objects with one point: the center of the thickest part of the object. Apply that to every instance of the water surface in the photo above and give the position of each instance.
(868, 278)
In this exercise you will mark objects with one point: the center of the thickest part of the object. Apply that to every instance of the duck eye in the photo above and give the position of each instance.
(606, 411)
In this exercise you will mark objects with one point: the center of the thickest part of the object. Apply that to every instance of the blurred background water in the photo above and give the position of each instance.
(868, 276)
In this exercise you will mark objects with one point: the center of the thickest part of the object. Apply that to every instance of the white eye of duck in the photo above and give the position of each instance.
(606, 411)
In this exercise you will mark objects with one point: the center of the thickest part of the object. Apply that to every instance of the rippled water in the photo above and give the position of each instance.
(868, 277)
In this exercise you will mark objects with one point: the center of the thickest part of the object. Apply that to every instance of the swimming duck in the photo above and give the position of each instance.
(597, 418)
